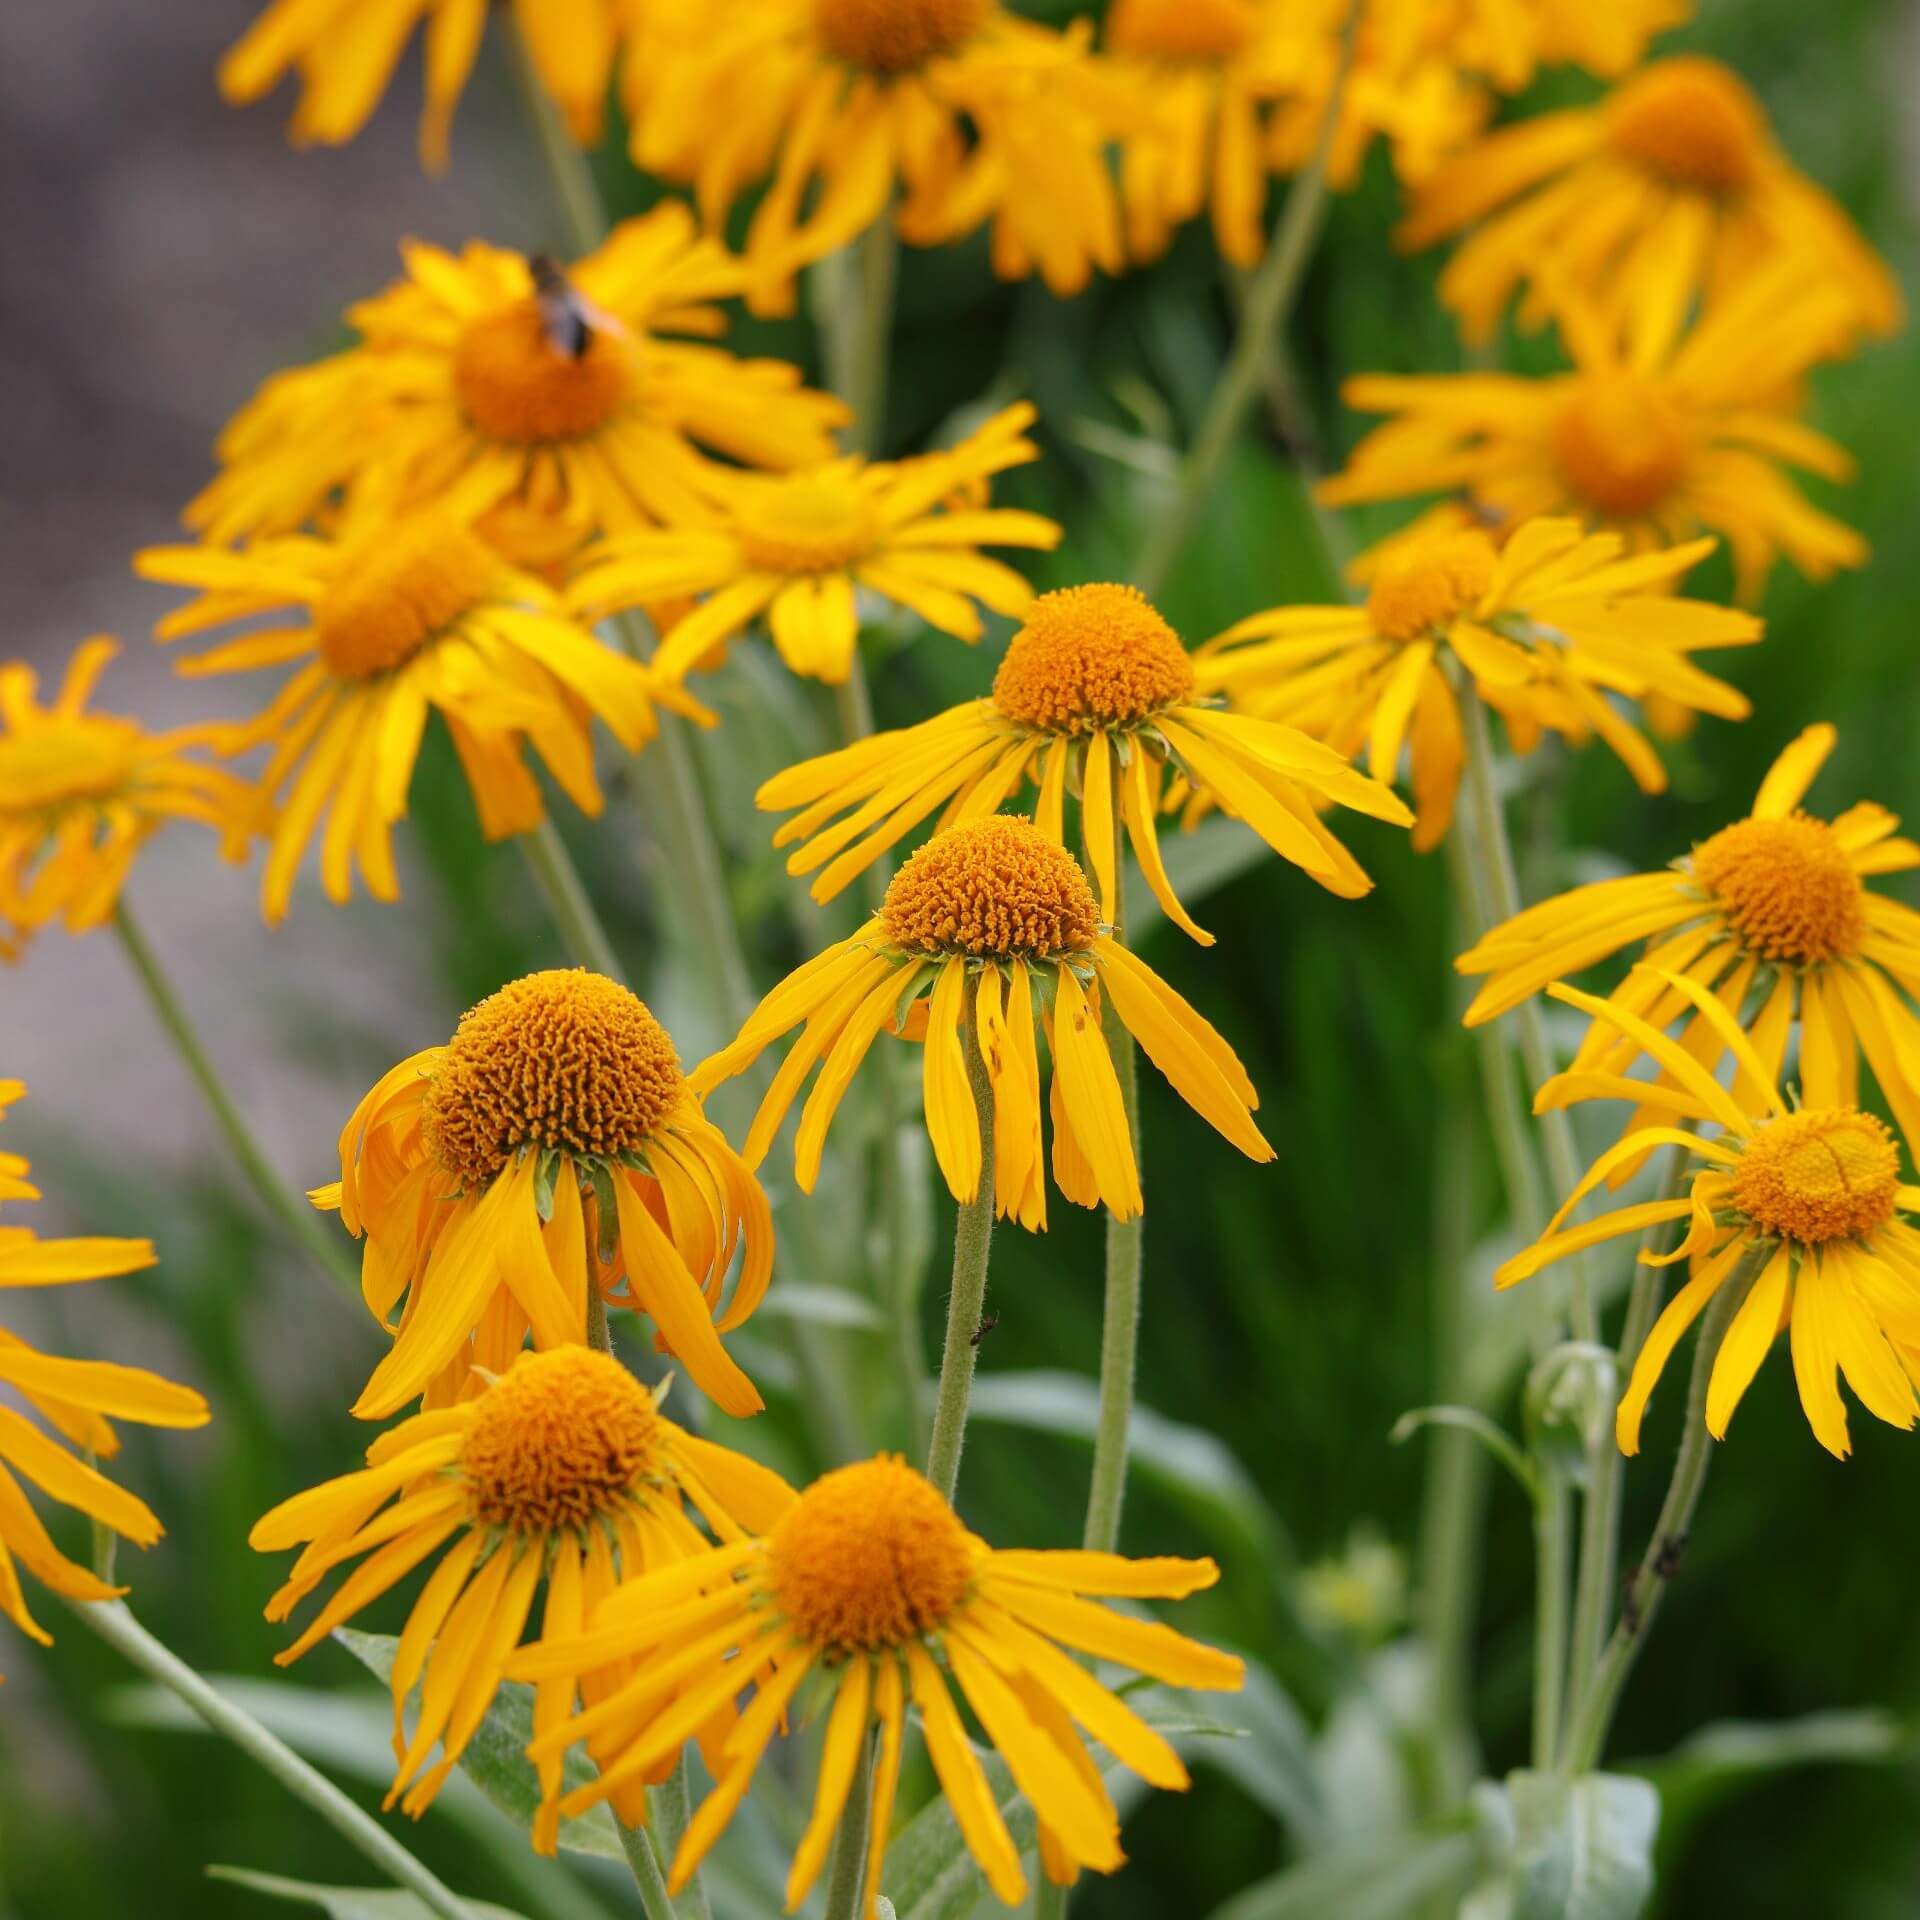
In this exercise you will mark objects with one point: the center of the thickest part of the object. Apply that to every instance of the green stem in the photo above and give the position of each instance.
(568, 902)
(847, 1870)
(972, 1241)
(1600, 1522)
(900, 1273)
(1493, 852)
(568, 168)
(1120, 1318)
(1552, 1536)
(644, 1864)
(120, 1630)
(855, 303)
(1050, 1900)
(1270, 296)
(1587, 1738)
(281, 1200)
(673, 1809)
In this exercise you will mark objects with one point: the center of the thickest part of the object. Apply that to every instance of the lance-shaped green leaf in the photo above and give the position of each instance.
(348, 1903)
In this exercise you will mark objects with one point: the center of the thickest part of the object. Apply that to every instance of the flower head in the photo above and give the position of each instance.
(81, 793)
(489, 381)
(871, 1583)
(795, 549)
(1803, 1210)
(1669, 190)
(1551, 630)
(1774, 916)
(345, 54)
(561, 1469)
(958, 110)
(551, 1146)
(1097, 693)
(1655, 434)
(396, 618)
(994, 923)
(79, 1400)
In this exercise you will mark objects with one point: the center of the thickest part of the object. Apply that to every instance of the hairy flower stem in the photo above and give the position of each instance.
(644, 1864)
(281, 1200)
(847, 1870)
(568, 903)
(1120, 1317)
(1271, 292)
(673, 1809)
(112, 1621)
(1600, 1523)
(1587, 1734)
(1491, 850)
(853, 301)
(972, 1240)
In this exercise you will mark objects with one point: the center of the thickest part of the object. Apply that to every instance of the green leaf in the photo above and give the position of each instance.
(824, 1306)
(350, 1903)
(1270, 1758)
(1729, 1754)
(1574, 1849)
(930, 1874)
(496, 1757)
(1381, 1879)
(1188, 1463)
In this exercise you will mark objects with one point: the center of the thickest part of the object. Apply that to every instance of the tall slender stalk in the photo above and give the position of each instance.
(1271, 292)
(854, 303)
(1587, 1736)
(673, 1809)
(1552, 1539)
(648, 1875)
(1493, 853)
(972, 1241)
(568, 901)
(114, 1624)
(282, 1200)
(1600, 1520)
(847, 1870)
(1120, 1316)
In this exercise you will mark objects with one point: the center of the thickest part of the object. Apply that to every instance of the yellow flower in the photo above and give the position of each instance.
(79, 1399)
(1550, 629)
(996, 924)
(470, 384)
(560, 1469)
(1655, 436)
(1096, 692)
(1770, 914)
(1206, 71)
(1801, 1208)
(81, 793)
(553, 1144)
(344, 53)
(392, 619)
(871, 1584)
(961, 109)
(795, 549)
(1669, 190)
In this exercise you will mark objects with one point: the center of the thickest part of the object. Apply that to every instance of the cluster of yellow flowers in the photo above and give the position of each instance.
(515, 460)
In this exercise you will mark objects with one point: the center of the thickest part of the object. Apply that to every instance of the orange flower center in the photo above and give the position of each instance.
(1689, 123)
(516, 385)
(1208, 32)
(399, 588)
(1829, 1174)
(557, 1441)
(1621, 444)
(1091, 657)
(895, 36)
(1419, 597)
(1787, 889)
(806, 523)
(996, 886)
(566, 1060)
(62, 760)
(869, 1558)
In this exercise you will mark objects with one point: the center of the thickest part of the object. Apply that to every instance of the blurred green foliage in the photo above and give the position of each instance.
(1289, 1308)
